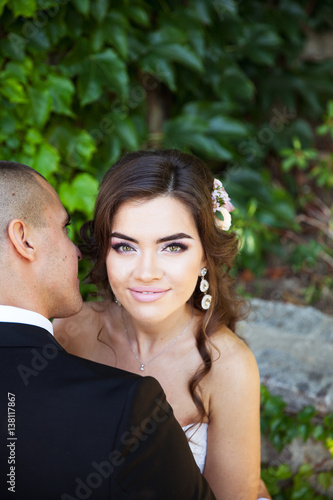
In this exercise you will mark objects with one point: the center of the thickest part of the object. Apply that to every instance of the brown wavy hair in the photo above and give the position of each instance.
(144, 175)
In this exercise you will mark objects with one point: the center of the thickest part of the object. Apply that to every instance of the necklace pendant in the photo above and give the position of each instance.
(142, 368)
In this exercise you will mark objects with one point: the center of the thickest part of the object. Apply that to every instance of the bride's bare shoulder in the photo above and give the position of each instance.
(229, 352)
(81, 329)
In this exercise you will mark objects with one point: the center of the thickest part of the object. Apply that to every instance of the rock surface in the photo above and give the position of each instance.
(293, 346)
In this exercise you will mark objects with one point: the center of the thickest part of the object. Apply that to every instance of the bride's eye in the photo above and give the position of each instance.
(122, 248)
(175, 248)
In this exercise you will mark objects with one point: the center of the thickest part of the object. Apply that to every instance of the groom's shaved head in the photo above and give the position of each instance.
(22, 196)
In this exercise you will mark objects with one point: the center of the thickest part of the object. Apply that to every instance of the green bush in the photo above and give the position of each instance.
(281, 428)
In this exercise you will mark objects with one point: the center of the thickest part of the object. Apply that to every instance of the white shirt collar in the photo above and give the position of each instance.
(10, 314)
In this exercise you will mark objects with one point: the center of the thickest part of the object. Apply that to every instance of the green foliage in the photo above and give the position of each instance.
(284, 485)
(263, 210)
(82, 82)
(281, 428)
(319, 165)
(297, 157)
(322, 171)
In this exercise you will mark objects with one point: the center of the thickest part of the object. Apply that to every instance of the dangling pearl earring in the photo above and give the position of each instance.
(117, 301)
(204, 285)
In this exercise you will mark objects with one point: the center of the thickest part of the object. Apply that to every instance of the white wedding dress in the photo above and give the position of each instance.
(197, 436)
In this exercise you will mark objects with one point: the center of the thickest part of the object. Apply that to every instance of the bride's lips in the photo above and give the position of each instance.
(147, 294)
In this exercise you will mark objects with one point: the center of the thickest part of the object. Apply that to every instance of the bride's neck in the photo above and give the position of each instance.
(146, 335)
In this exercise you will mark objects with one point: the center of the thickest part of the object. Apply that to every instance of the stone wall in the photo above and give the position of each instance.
(293, 346)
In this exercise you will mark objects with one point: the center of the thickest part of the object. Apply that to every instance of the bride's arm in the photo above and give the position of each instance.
(233, 453)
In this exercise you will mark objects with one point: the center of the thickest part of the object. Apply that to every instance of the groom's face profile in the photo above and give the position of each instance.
(58, 259)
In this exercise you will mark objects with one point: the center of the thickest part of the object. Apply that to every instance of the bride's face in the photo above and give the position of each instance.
(155, 257)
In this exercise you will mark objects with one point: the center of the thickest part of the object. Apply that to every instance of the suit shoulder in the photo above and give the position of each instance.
(80, 331)
(100, 370)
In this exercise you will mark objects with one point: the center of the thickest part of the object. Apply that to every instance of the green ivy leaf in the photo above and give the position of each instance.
(304, 431)
(139, 15)
(283, 472)
(103, 69)
(163, 36)
(2, 5)
(110, 150)
(33, 136)
(77, 146)
(15, 70)
(61, 90)
(80, 194)
(13, 47)
(26, 8)
(325, 479)
(306, 414)
(234, 82)
(82, 6)
(89, 88)
(306, 470)
(13, 90)
(116, 18)
(99, 9)
(180, 54)
(47, 4)
(113, 31)
(7, 124)
(227, 127)
(41, 104)
(118, 37)
(127, 134)
(288, 163)
(202, 9)
(56, 30)
(162, 69)
(198, 41)
(97, 38)
(264, 57)
(47, 160)
(28, 149)
(39, 41)
(183, 127)
(210, 147)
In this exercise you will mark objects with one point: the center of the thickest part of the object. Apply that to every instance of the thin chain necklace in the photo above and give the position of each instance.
(143, 365)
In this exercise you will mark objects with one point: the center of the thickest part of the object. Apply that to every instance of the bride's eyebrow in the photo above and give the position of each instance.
(177, 236)
(123, 237)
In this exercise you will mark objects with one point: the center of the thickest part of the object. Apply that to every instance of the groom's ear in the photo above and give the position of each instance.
(21, 237)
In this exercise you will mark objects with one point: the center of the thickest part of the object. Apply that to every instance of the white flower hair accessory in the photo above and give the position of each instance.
(222, 204)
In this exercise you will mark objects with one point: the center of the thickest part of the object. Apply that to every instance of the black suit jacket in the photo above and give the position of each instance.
(75, 429)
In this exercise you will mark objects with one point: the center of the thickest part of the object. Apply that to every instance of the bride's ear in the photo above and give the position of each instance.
(21, 237)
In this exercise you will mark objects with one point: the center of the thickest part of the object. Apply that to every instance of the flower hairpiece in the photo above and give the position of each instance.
(222, 204)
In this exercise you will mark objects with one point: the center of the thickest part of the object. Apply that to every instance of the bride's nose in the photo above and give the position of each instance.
(148, 268)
